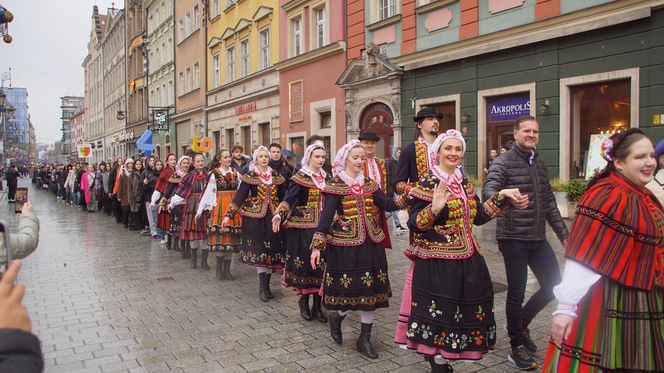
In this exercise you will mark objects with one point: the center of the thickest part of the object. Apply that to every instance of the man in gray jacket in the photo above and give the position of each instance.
(521, 235)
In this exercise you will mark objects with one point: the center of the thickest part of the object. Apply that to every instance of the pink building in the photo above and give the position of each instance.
(312, 54)
(77, 123)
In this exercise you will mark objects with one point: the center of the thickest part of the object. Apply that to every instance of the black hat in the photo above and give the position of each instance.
(368, 136)
(427, 112)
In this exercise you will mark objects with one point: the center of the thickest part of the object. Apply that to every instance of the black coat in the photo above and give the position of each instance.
(12, 177)
(20, 352)
(512, 170)
(282, 168)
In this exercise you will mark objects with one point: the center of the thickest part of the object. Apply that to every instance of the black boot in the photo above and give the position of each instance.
(220, 268)
(267, 285)
(305, 312)
(227, 269)
(204, 258)
(316, 311)
(168, 242)
(335, 326)
(363, 344)
(193, 258)
(187, 249)
(183, 250)
(262, 285)
(175, 244)
(438, 368)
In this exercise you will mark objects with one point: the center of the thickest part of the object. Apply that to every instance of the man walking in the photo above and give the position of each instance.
(12, 182)
(521, 235)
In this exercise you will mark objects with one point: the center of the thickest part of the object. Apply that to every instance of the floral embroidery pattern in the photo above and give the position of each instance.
(458, 341)
(345, 281)
(458, 315)
(367, 279)
(382, 277)
(423, 330)
(434, 311)
(479, 314)
(328, 279)
(298, 262)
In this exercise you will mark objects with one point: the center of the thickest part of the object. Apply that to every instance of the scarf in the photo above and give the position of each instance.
(319, 177)
(339, 168)
(265, 177)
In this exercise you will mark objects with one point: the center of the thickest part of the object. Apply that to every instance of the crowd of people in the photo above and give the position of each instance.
(323, 224)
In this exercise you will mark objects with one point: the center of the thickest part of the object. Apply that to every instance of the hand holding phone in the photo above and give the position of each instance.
(20, 199)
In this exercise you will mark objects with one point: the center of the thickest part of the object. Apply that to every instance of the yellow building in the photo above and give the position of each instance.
(243, 86)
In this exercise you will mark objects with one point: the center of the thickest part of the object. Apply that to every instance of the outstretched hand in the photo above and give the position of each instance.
(440, 196)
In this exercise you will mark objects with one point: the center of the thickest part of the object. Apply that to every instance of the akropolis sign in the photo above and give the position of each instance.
(508, 108)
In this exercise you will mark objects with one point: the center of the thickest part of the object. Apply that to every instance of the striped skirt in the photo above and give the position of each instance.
(219, 239)
(193, 229)
(617, 328)
(163, 220)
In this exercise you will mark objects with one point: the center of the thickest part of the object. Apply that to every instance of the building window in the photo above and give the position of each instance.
(164, 98)
(244, 48)
(297, 36)
(229, 3)
(216, 8)
(230, 64)
(197, 76)
(181, 87)
(215, 71)
(386, 9)
(187, 24)
(264, 133)
(265, 48)
(180, 30)
(196, 18)
(325, 119)
(190, 80)
(320, 27)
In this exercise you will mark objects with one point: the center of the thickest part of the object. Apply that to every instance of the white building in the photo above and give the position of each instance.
(94, 94)
(115, 109)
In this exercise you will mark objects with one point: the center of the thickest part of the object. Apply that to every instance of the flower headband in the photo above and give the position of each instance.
(606, 151)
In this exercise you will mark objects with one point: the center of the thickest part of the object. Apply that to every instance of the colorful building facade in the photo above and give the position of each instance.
(137, 95)
(93, 87)
(114, 85)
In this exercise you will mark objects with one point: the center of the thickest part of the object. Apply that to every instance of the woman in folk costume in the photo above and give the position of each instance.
(222, 185)
(451, 296)
(88, 187)
(194, 225)
(300, 212)
(349, 232)
(610, 315)
(163, 216)
(175, 221)
(256, 200)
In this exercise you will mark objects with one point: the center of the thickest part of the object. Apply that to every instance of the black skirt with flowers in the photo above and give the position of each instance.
(260, 246)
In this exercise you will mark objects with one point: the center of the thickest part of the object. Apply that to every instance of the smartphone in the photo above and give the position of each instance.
(20, 199)
(5, 253)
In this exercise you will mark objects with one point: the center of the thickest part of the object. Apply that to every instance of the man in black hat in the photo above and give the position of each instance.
(415, 161)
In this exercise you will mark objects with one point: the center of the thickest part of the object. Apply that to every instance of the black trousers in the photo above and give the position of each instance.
(12, 191)
(518, 256)
(117, 209)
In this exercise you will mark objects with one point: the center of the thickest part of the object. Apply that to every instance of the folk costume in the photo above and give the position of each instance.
(613, 282)
(163, 216)
(256, 200)
(174, 223)
(194, 231)
(300, 213)
(221, 187)
(448, 287)
(350, 234)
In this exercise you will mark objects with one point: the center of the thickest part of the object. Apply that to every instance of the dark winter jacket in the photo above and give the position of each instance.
(282, 168)
(513, 170)
(20, 352)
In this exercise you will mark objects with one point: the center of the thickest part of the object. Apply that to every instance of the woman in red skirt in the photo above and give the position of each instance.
(222, 184)
(163, 217)
(189, 194)
(610, 315)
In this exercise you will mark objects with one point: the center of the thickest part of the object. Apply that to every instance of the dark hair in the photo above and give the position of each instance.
(521, 119)
(274, 145)
(237, 147)
(622, 142)
(216, 160)
(314, 138)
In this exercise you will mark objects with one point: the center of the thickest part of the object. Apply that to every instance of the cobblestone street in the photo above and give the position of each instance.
(103, 299)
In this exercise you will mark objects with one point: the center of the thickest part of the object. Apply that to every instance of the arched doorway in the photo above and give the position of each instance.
(378, 118)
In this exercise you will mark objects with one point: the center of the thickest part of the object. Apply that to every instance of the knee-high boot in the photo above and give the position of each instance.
(335, 326)
(268, 276)
(220, 268)
(305, 312)
(169, 240)
(187, 249)
(363, 344)
(194, 263)
(316, 311)
(262, 285)
(204, 258)
(227, 267)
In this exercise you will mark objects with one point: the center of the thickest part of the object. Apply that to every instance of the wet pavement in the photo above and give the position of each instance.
(103, 299)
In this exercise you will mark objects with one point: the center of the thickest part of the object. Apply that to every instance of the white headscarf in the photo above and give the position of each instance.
(339, 167)
(449, 134)
(266, 177)
(177, 166)
(454, 181)
(126, 170)
(318, 178)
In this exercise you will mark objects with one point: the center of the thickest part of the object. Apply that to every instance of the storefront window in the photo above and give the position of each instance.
(597, 110)
(448, 109)
(501, 113)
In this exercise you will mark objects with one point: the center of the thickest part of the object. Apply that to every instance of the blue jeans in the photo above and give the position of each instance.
(394, 215)
(518, 256)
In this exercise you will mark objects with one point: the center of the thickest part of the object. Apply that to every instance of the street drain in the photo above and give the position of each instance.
(162, 279)
(498, 287)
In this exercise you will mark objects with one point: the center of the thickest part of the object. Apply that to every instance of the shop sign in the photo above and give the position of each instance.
(245, 108)
(84, 151)
(244, 118)
(144, 143)
(508, 108)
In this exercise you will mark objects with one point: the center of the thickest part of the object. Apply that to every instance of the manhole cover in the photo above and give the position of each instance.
(498, 287)
(162, 279)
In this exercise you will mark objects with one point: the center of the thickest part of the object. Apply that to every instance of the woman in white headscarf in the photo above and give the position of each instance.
(175, 221)
(256, 200)
(350, 234)
(447, 306)
(299, 212)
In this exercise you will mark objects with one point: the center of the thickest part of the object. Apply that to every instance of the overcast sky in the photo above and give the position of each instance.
(50, 43)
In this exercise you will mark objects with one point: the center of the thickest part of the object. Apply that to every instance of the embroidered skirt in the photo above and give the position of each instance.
(163, 220)
(451, 311)
(175, 222)
(193, 229)
(229, 238)
(618, 328)
(298, 273)
(260, 246)
(356, 278)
